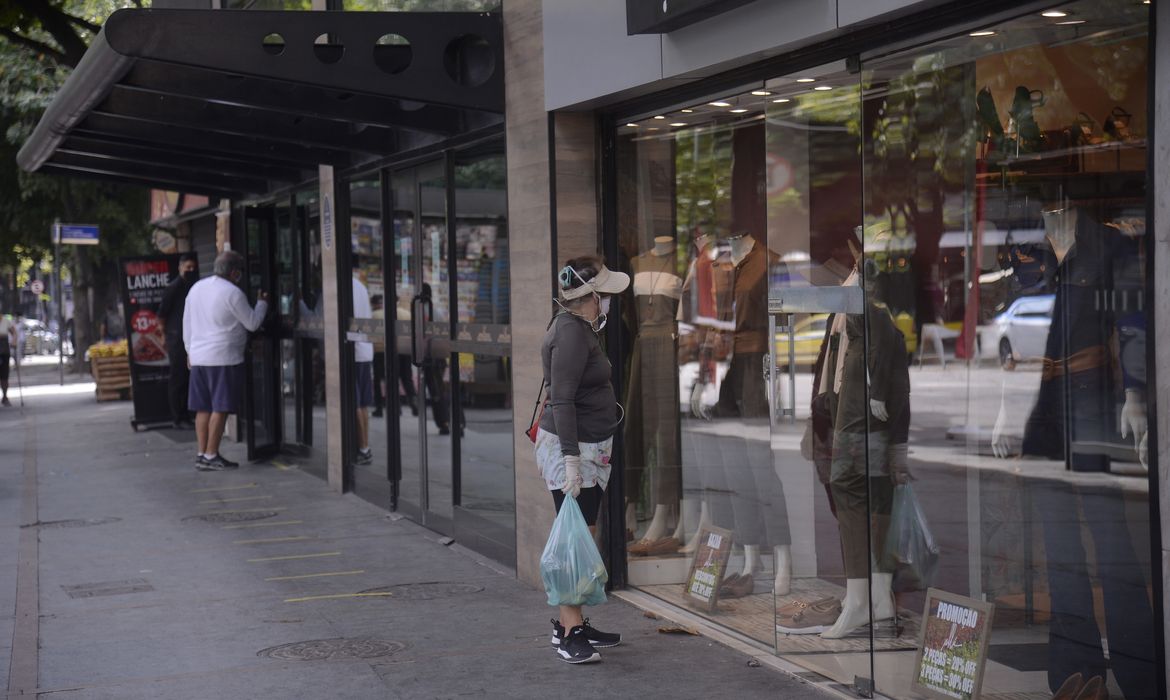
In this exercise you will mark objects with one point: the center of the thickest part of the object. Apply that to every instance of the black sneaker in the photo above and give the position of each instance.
(597, 638)
(200, 460)
(576, 649)
(216, 464)
(364, 457)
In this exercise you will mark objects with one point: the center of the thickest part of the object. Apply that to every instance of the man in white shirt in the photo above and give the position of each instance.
(363, 359)
(216, 322)
(8, 345)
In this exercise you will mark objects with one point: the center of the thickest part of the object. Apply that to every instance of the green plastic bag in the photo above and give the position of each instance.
(911, 550)
(571, 566)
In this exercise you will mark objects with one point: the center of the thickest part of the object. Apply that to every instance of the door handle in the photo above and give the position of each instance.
(422, 309)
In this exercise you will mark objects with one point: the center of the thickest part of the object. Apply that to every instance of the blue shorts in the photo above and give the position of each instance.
(364, 378)
(215, 388)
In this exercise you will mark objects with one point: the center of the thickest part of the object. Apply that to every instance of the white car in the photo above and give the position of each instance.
(1018, 334)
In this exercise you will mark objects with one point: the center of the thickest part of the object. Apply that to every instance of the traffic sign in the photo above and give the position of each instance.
(75, 234)
(36, 286)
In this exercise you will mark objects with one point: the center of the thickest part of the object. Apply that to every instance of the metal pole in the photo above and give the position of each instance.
(60, 302)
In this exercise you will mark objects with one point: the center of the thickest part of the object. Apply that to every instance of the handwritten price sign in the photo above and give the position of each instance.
(952, 652)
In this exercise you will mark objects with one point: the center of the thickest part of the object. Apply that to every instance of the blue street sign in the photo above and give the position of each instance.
(76, 234)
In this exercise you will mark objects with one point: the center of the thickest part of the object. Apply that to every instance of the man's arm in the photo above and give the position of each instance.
(249, 317)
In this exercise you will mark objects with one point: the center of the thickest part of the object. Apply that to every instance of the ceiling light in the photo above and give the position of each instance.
(678, 123)
(1072, 21)
(660, 117)
(720, 104)
(782, 99)
(985, 32)
(632, 124)
(1053, 13)
(806, 80)
(761, 93)
(822, 87)
(653, 128)
(686, 111)
(740, 110)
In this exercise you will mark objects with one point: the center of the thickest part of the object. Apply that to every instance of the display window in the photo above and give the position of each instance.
(885, 374)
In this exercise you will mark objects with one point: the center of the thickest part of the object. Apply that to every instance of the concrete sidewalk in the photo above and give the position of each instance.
(124, 573)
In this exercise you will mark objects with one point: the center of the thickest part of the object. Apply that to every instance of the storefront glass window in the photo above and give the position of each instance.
(368, 324)
(921, 282)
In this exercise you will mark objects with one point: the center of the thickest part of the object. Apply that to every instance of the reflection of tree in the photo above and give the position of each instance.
(702, 171)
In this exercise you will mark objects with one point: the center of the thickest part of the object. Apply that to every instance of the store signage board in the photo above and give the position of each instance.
(708, 567)
(75, 234)
(952, 647)
(664, 16)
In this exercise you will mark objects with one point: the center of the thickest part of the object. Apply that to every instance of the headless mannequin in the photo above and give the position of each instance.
(663, 246)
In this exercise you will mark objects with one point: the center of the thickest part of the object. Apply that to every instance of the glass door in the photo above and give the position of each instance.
(262, 409)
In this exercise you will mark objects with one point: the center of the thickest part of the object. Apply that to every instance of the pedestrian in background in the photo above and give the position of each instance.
(216, 322)
(363, 361)
(575, 439)
(8, 340)
(171, 313)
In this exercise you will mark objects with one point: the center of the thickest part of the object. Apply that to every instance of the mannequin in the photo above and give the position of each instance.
(1092, 390)
(653, 461)
(865, 461)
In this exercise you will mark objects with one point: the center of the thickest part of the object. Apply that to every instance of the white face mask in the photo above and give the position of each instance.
(604, 306)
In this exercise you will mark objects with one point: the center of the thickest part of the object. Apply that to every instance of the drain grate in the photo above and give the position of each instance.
(236, 517)
(333, 650)
(105, 588)
(430, 590)
(60, 524)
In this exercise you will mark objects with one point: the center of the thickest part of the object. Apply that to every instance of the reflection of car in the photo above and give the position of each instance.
(38, 339)
(1020, 332)
(808, 334)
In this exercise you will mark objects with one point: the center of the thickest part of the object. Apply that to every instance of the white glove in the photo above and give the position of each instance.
(698, 410)
(572, 485)
(1133, 416)
(878, 409)
(806, 441)
(1001, 446)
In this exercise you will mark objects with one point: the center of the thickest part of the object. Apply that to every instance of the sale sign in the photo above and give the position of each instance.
(144, 282)
(953, 649)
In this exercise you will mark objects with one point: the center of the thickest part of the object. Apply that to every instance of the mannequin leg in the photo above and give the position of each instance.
(686, 515)
(657, 528)
(854, 609)
(704, 522)
(752, 564)
(782, 563)
(884, 607)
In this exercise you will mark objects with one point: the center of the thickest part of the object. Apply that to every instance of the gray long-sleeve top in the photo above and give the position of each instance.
(581, 404)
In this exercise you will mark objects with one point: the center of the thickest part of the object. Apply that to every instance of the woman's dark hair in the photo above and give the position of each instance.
(586, 268)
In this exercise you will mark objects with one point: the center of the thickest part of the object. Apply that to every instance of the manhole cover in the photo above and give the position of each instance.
(56, 524)
(333, 650)
(104, 588)
(238, 517)
(430, 590)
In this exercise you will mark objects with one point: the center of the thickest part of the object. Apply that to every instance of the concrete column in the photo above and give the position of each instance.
(331, 312)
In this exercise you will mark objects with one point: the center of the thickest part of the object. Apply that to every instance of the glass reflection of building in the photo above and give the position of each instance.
(803, 252)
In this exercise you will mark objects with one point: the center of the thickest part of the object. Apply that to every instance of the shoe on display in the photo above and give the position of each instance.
(365, 456)
(656, 547)
(1071, 688)
(216, 464)
(801, 617)
(597, 638)
(1094, 690)
(575, 648)
(739, 586)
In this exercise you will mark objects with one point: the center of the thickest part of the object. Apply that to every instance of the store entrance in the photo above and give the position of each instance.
(262, 406)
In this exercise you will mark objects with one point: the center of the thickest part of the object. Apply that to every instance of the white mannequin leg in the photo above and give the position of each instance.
(782, 563)
(751, 560)
(685, 515)
(657, 527)
(883, 597)
(704, 521)
(854, 609)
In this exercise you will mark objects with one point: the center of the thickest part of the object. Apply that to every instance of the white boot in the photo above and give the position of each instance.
(884, 606)
(752, 564)
(704, 522)
(854, 609)
(782, 563)
(657, 527)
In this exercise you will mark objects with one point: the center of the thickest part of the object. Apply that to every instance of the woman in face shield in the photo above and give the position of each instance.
(575, 439)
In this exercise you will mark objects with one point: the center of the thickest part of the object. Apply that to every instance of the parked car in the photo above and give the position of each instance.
(38, 339)
(1019, 333)
(809, 333)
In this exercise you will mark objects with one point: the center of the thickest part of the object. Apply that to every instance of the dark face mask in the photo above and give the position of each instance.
(191, 277)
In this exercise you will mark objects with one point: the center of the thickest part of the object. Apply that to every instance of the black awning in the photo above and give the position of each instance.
(232, 103)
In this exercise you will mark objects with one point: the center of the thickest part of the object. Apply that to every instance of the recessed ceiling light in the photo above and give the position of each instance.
(761, 93)
(985, 32)
(720, 104)
(806, 80)
(632, 124)
(678, 123)
(740, 110)
(782, 99)
(660, 117)
(653, 128)
(1072, 21)
(822, 87)
(1053, 13)
(686, 111)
